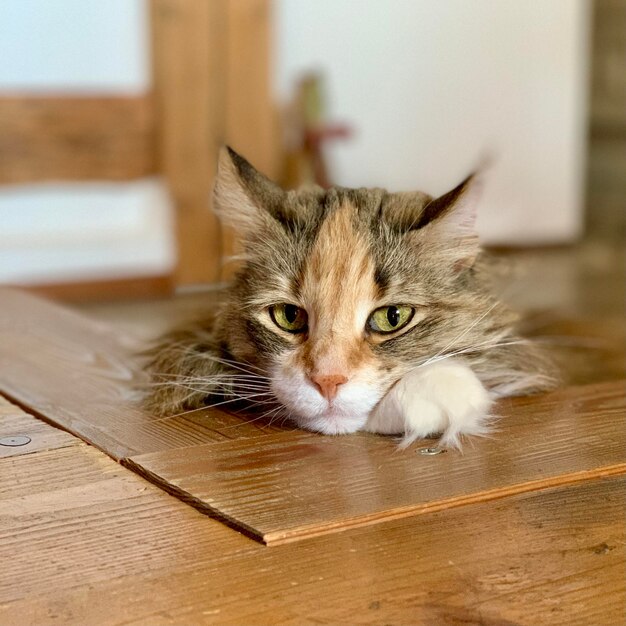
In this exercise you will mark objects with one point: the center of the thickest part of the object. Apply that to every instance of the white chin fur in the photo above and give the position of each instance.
(444, 397)
(347, 413)
(332, 424)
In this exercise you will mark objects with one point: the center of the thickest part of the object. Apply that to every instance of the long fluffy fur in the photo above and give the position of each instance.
(398, 248)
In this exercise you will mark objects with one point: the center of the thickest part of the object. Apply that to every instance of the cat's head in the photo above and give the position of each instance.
(342, 291)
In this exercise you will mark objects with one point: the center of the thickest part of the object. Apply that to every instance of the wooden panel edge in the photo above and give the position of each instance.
(307, 532)
(275, 539)
(44, 437)
(188, 47)
(108, 289)
(47, 137)
(132, 463)
(78, 429)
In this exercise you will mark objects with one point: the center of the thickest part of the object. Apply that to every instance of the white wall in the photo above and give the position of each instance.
(64, 232)
(57, 232)
(432, 86)
(429, 86)
(80, 46)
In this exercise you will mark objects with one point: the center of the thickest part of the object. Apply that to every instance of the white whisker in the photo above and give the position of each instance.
(461, 335)
(481, 346)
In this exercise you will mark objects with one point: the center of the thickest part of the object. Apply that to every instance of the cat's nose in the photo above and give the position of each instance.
(328, 385)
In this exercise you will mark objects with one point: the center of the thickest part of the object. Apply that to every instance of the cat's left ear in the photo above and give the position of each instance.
(243, 197)
(450, 220)
(454, 213)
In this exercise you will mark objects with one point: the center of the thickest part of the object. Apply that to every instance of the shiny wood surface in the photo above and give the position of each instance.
(273, 482)
(85, 541)
(83, 376)
(287, 486)
(15, 423)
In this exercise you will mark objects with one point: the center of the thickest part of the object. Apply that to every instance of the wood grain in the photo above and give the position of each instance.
(109, 290)
(84, 541)
(72, 516)
(15, 422)
(81, 375)
(250, 120)
(75, 138)
(212, 63)
(585, 349)
(189, 65)
(555, 557)
(84, 377)
(289, 486)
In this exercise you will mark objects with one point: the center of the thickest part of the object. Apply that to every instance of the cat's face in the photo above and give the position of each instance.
(342, 291)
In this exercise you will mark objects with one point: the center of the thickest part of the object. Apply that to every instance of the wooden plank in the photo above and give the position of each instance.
(586, 350)
(212, 66)
(84, 377)
(555, 557)
(56, 137)
(112, 289)
(250, 116)
(80, 375)
(251, 120)
(150, 318)
(15, 423)
(289, 486)
(71, 516)
(188, 60)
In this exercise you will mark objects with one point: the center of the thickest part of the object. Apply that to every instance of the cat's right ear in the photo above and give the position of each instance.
(243, 197)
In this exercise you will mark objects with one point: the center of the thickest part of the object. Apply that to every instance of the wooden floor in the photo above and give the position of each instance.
(272, 525)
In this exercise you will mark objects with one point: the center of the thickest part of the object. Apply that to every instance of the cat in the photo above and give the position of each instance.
(353, 310)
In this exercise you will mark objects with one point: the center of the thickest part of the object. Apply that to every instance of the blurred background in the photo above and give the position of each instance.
(112, 113)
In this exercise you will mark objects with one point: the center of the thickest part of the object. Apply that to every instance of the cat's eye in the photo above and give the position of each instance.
(289, 317)
(388, 319)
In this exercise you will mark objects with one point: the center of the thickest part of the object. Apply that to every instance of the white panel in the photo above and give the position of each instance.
(83, 231)
(74, 45)
(433, 86)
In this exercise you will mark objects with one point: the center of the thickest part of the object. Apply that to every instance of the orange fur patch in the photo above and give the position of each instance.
(338, 292)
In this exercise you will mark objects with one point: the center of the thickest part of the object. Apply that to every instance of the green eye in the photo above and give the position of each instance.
(388, 319)
(289, 317)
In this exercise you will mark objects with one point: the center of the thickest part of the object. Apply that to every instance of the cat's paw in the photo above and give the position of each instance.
(444, 397)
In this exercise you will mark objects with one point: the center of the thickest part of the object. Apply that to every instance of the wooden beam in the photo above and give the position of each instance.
(212, 86)
(251, 127)
(106, 290)
(75, 138)
(188, 58)
(251, 122)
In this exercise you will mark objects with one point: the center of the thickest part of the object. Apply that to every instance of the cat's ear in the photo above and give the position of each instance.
(450, 220)
(455, 212)
(243, 197)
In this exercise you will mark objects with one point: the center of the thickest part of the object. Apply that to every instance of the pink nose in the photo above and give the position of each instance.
(328, 385)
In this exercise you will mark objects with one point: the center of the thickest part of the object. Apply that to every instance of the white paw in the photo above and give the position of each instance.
(444, 397)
